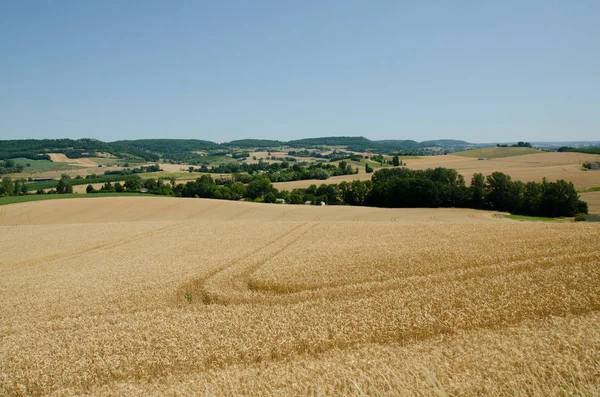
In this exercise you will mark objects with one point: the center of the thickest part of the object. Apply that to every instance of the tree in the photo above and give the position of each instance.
(396, 161)
(89, 189)
(295, 199)
(477, 190)
(559, 199)
(238, 190)
(133, 182)
(358, 193)
(270, 198)
(259, 187)
(63, 187)
(368, 168)
(7, 187)
(498, 191)
(108, 187)
(119, 188)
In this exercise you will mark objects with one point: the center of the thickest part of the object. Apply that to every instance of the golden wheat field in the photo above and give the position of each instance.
(162, 296)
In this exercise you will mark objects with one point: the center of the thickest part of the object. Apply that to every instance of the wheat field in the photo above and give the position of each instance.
(161, 296)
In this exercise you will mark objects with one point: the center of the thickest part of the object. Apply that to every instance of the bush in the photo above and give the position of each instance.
(580, 217)
(582, 207)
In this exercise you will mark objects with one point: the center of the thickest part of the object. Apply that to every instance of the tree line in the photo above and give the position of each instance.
(281, 172)
(391, 188)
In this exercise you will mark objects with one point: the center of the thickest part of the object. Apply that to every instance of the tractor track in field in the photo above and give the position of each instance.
(87, 250)
(240, 214)
(233, 276)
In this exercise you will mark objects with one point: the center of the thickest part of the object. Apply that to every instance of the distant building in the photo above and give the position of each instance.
(481, 158)
(594, 165)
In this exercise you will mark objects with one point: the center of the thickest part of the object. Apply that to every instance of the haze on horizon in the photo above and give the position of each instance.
(220, 71)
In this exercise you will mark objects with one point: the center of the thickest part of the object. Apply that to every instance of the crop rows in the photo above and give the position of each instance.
(259, 307)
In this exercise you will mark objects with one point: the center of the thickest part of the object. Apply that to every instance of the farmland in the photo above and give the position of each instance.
(526, 167)
(153, 295)
(497, 152)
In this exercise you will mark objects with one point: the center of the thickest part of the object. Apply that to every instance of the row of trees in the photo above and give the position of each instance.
(402, 187)
(283, 172)
(518, 144)
(391, 187)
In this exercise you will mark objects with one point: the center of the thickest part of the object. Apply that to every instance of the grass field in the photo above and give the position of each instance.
(497, 152)
(163, 296)
(41, 165)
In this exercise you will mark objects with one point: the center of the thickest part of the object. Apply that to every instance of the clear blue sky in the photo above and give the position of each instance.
(475, 70)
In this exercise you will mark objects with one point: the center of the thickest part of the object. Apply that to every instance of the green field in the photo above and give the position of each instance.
(497, 152)
(592, 189)
(38, 197)
(533, 218)
(41, 165)
(32, 186)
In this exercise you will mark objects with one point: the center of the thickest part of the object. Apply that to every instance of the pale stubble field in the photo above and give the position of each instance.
(153, 296)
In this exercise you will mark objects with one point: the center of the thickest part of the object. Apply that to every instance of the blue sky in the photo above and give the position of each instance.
(475, 70)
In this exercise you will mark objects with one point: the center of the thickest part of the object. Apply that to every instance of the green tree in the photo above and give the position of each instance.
(396, 161)
(133, 182)
(498, 191)
(238, 190)
(477, 190)
(270, 198)
(7, 187)
(259, 187)
(63, 187)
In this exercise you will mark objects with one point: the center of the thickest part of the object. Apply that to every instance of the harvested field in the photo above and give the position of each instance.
(61, 158)
(593, 200)
(154, 296)
(497, 152)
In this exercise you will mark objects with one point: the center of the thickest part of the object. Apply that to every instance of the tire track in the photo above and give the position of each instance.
(31, 263)
(266, 295)
(155, 212)
(283, 213)
(239, 214)
(202, 211)
(232, 285)
(124, 208)
(199, 287)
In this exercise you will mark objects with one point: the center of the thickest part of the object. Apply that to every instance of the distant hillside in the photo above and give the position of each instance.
(183, 150)
(445, 143)
(253, 143)
(497, 152)
(589, 150)
(348, 141)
